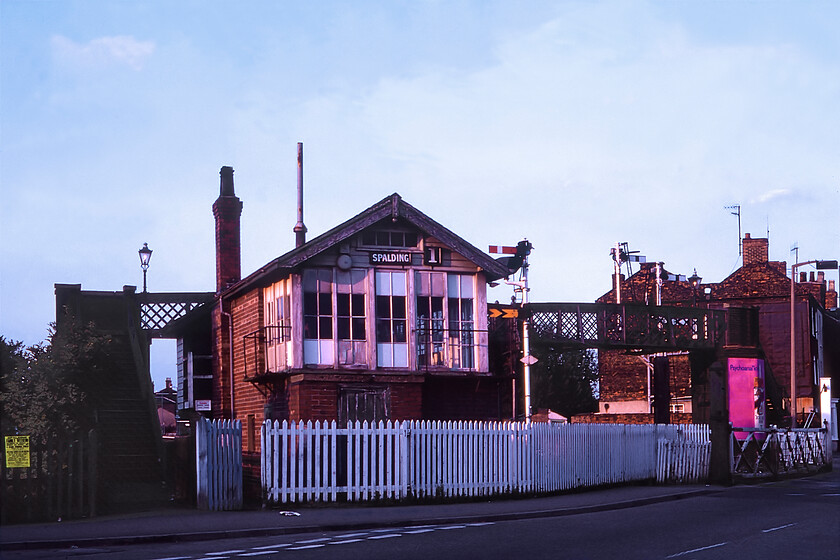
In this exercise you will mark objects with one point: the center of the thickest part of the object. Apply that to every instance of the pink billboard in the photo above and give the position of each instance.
(746, 393)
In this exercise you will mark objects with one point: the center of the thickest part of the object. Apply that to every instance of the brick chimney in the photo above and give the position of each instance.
(227, 209)
(755, 250)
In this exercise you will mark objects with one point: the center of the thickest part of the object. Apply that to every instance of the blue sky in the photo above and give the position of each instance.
(574, 124)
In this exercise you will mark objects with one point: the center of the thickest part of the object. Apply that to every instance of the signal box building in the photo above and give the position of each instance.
(382, 317)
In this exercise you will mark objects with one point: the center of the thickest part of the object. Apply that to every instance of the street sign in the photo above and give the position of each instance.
(17, 452)
(529, 360)
(507, 313)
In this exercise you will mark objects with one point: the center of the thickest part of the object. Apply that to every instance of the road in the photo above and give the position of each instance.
(788, 519)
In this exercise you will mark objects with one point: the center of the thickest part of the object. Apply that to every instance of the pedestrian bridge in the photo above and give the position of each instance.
(626, 326)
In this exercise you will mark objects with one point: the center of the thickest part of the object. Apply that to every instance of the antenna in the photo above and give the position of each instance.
(795, 249)
(737, 212)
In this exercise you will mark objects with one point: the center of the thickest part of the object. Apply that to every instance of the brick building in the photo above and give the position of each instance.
(382, 317)
(757, 296)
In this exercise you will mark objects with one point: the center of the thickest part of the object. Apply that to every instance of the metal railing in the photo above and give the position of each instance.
(772, 452)
(267, 351)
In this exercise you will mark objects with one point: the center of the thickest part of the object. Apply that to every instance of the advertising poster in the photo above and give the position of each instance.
(746, 393)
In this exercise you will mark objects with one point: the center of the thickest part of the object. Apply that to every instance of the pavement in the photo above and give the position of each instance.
(183, 524)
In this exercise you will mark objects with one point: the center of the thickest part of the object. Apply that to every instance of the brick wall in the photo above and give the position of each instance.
(453, 398)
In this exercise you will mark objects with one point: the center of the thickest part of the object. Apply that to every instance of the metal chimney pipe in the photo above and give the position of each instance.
(300, 229)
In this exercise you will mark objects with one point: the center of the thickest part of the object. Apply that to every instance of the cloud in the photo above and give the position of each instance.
(772, 195)
(105, 51)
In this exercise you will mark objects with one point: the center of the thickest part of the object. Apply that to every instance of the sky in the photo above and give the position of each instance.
(575, 125)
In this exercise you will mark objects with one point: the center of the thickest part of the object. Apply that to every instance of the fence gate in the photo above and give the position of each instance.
(218, 460)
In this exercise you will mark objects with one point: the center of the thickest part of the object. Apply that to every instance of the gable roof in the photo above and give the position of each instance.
(392, 207)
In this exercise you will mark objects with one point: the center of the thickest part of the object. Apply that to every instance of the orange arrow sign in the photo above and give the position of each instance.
(503, 313)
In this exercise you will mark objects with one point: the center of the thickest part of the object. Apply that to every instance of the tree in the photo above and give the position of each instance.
(45, 387)
(564, 380)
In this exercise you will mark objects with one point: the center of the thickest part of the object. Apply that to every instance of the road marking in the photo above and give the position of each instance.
(831, 494)
(348, 541)
(778, 528)
(452, 527)
(419, 531)
(480, 524)
(388, 536)
(310, 541)
(351, 535)
(224, 552)
(306, 547)
(261, 553)
(283, 545)
(683, 553)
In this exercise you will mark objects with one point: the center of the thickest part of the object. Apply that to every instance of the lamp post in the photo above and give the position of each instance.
(694, 280)
(821, 265)
(145, 256)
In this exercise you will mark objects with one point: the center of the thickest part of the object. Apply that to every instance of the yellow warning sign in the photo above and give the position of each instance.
(17, 452)
(506, 313)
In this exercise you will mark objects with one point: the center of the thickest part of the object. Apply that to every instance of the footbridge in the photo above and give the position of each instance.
(626, 326)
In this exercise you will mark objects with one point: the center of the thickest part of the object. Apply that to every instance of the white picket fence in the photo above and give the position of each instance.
(685, 456)
(322, 461)
(218, 460)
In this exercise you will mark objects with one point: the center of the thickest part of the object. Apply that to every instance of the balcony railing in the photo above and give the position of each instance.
(267, 351)
(442, 348)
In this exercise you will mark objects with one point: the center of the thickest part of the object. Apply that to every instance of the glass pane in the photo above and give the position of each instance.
(383, 283)
(399, 307)
(437, 283)
(452, 285)
(466, 310)
(399, 331)
(383, 330)
(400, 355)
(343, 305)
(325, 304)
(357, 278)
(342, 281)
(383, 238)
(398, 283)
(325, 327)
(383, 307)
(466, 286)
(384, 357)
(310, 327)
(421, 284)
(358, 307)
(310, 303)
(411, 240)
(324, 280)
(310, 281)
(359, 329)
(343, 325)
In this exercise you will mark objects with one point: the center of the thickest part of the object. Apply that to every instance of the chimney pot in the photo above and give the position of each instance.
(227, 210)
(821, 277)
(812, 277)
(831, 285)
(803, 276)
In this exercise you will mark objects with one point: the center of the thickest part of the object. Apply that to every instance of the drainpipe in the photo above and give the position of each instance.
(230, 358)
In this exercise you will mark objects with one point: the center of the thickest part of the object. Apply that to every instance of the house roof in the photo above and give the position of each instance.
(393, 208)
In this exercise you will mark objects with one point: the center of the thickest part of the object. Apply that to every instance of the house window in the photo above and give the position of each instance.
(461, 321)
(351, 317)
(391, 318)
(277, 328)
(318, 344)
(429, 288)
(445, 321)
(385, 238)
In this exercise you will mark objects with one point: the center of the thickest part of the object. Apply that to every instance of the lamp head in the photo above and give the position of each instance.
(145, 256)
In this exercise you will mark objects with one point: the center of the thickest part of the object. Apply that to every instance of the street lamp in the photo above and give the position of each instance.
(821, 265)
(145, 256)
(694, 280)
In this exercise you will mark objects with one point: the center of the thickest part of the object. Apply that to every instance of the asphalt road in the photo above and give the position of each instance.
(789, 519)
